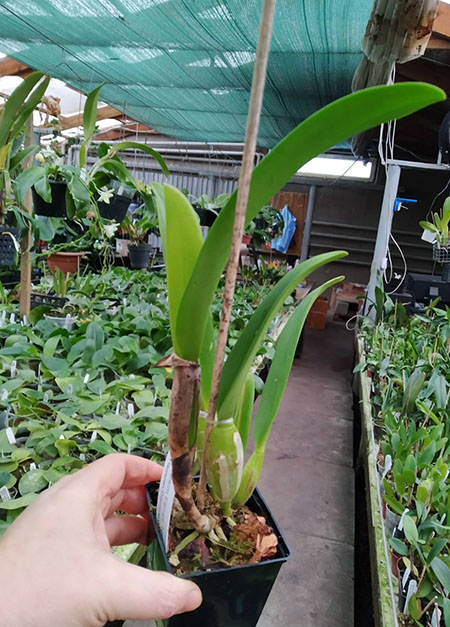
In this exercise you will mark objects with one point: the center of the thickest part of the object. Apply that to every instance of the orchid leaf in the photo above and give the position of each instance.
(324, 129)
(281, 366)
(243, 352)
(182, 240)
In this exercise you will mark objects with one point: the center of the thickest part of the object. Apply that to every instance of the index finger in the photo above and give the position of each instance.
(116, 471)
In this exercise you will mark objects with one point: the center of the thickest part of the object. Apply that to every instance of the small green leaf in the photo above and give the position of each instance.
(22, 501)
(442, 572)
(399, 547)
(33, 481)
(410, 529)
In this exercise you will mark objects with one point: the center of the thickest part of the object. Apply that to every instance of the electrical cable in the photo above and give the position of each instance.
(435, 198)
(405, 266)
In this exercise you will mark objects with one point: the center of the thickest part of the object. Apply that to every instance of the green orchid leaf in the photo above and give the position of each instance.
(137, 146)
(15, 103)
(22, 501)
(281, 366)
(442, 572)
(32, 482)
(410, 530)
(25, 181)
(182, 240)
(327, 127)
(243, 352)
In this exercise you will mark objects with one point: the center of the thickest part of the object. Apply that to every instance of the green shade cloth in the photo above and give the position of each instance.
(185, 67)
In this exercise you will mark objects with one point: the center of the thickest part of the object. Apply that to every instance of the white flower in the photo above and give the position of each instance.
(110, 229)
(40, 157)
(105, 195)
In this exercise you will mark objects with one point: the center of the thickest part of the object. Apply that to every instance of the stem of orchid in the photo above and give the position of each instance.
(254, 112)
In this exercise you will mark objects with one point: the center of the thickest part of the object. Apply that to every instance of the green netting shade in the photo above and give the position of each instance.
(185, 67)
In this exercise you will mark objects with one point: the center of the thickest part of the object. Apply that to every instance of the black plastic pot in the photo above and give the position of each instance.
(7, 246)
(232, 597)
(56, 302)
(56, 208)
(139, 255)
(207, 217)
(116, 210)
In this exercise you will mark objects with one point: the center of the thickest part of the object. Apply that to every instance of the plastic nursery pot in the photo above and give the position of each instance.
(8, 239)
(232, 597)
(139, 255)
(116, 209)
(206, 217)
(56, 208)
(64, 322)
(391, 521)
(66, 262)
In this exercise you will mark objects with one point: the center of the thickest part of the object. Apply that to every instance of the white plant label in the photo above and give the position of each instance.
(130, 410)
(4, 493)
(405, 578)
(4, 395)
(13, 368)
(402, 518)
(86, 378)
(82, 457)
(412, 589)
(164, 505)
(61, 437)
(33, 466)
(93, 436)
(436, 618)
(118, 408)
(387, 465)
(10, 435)
(12, 317)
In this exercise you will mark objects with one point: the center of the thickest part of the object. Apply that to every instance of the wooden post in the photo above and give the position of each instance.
(25, 245)
(248, 156)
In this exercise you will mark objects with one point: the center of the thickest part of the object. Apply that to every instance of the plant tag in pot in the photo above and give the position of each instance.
(166, 495)
(4, 493)
(428, 236)
(412, 589)
(387, 465)
(10, 435)
(400, 524)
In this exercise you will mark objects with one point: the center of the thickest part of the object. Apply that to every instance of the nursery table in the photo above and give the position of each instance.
(383, 595)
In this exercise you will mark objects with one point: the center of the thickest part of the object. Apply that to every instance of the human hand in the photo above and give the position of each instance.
(56, 566)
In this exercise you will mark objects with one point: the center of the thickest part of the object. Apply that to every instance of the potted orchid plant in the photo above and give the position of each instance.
(220, 528)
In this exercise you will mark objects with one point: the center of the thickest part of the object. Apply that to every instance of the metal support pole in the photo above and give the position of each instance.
(308, 223)
(379, 260)
(27, 240)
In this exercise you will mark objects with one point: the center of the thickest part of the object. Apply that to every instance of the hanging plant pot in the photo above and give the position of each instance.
(69, 263)
(232, 597)
(8, 243)
(56, 208)
(116, 209)
(139, 255)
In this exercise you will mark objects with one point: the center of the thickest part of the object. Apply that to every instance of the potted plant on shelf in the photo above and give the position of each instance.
(13, 116)
(440, 229)
(267, 225)
(61, 316)
(107, 186)
(208, 209)
(137, 226)
(215, 526)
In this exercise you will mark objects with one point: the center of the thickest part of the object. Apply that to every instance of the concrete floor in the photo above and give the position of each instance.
(308, 482)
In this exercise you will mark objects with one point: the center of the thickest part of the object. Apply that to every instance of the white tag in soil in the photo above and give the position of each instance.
(4, 493)
(10, 435)
(164, 505)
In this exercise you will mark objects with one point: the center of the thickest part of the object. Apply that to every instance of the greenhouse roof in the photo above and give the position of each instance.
(184, 67)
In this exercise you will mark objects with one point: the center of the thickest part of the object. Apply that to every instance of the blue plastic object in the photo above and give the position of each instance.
(401, 201)
(282, 243)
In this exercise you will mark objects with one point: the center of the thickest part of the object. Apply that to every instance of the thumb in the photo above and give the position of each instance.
(135, 593)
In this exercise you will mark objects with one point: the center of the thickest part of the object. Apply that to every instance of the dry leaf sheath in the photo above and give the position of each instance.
(184, 409)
